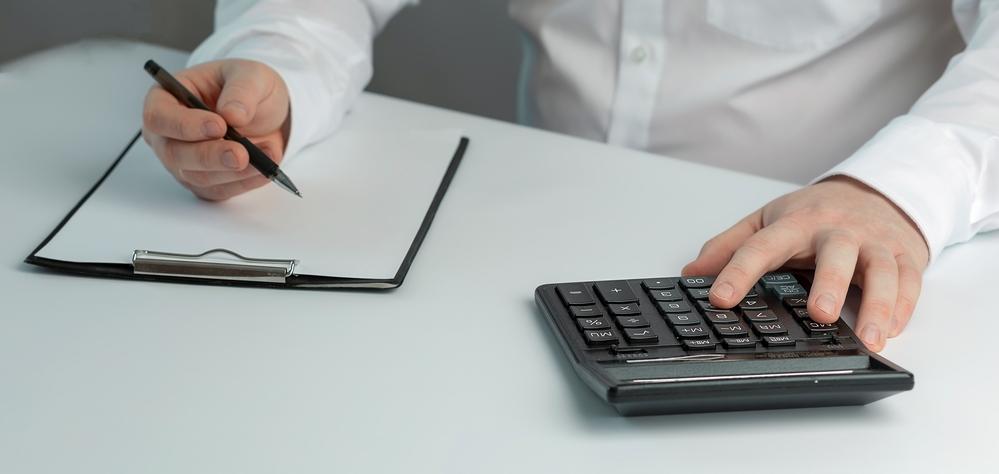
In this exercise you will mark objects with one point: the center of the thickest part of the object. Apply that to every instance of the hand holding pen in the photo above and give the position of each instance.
(201, 147)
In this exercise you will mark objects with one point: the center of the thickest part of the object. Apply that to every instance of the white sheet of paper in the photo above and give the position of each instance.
(365, 196)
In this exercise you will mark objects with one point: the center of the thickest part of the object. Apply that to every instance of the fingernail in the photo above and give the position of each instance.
(826, 304)
(235, 104)
(212, 129)
(229, 160)
(724, 290)
(871, 335)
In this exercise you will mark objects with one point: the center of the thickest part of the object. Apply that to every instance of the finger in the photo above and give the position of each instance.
(910, 283)
(766, 250)
(163, 115)
(835, 260)
(225, 191)
(158, 144)
(246, 86)
(877, 305)
(207, 179)
(718, 251)
(214, 155)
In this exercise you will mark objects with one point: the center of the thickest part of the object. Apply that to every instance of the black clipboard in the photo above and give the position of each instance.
(228, 268)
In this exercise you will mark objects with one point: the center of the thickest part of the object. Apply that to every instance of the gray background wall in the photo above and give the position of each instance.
(459, 54)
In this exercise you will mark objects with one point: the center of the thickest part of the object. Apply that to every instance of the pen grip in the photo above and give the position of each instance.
(258, 159)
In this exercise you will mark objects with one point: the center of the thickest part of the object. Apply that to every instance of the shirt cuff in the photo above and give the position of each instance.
(922, 167)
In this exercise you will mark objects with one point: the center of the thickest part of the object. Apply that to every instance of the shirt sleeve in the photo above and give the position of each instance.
(320, 48)
(939, 163)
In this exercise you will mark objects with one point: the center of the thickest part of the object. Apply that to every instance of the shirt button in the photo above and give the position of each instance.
(639, 54)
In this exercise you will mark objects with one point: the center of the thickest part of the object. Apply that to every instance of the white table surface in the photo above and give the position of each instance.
(454, 372)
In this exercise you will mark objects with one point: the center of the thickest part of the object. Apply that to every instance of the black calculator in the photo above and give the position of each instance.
(658, 346)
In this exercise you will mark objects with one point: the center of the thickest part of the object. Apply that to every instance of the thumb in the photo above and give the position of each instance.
(245, 86)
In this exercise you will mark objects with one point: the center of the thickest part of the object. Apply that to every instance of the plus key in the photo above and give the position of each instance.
(615, 292)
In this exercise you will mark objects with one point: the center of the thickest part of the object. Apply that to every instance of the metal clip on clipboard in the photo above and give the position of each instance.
(211, 265)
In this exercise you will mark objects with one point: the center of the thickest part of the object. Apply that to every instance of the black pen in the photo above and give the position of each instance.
(258, 158)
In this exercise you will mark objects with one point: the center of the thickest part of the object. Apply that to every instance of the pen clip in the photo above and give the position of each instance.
(217, 264)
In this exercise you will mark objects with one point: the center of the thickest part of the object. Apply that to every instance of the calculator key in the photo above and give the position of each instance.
(789, 291)
(739, 342)
(659, 284)
(603, 337)
(771, 279)
(586, 311)
(815, 327)
(778, 340)
(667, 307)
(721, 317)
(632, 322)
(752, 293)
(729, 330)
(592, 323)
(801, 313)
(752, 303)
(760, 316)
(699, 343)
(624, 309)
(698, 330)
(640, 335)
(683, 319)
(707, 306)
(615, 292)
(574, 294)
(796, 301)
(770, 328)
(666, 295)
(697, 281)
(699, 293)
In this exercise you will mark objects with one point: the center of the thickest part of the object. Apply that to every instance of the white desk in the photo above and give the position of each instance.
(454, 372)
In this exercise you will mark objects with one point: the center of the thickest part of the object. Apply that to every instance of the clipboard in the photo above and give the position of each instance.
(223, 264)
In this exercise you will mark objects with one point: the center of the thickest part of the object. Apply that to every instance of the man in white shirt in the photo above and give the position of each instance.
(784, 88)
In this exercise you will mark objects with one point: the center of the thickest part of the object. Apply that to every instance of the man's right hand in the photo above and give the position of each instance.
(249, 96)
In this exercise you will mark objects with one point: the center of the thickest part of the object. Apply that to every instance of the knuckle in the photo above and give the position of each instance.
(206, 157)
(882, 266)
(879, 308)
(181, 129)
(149, 117)
(738, 272)
(842, 239)
(212, 193)
(168, 154)
(709, 245)
(197, 179)
(833, 276)
(757, 250)
(905, 305)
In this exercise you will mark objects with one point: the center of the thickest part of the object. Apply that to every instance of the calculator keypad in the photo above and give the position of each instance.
(676, 313)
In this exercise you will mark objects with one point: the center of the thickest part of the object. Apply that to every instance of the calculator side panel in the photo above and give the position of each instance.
(570, 341)
(859, 388)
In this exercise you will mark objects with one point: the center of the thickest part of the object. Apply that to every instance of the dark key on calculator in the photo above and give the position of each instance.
(656, 346)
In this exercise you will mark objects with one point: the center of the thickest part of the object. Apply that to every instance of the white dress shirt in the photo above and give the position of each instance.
(781, 88)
